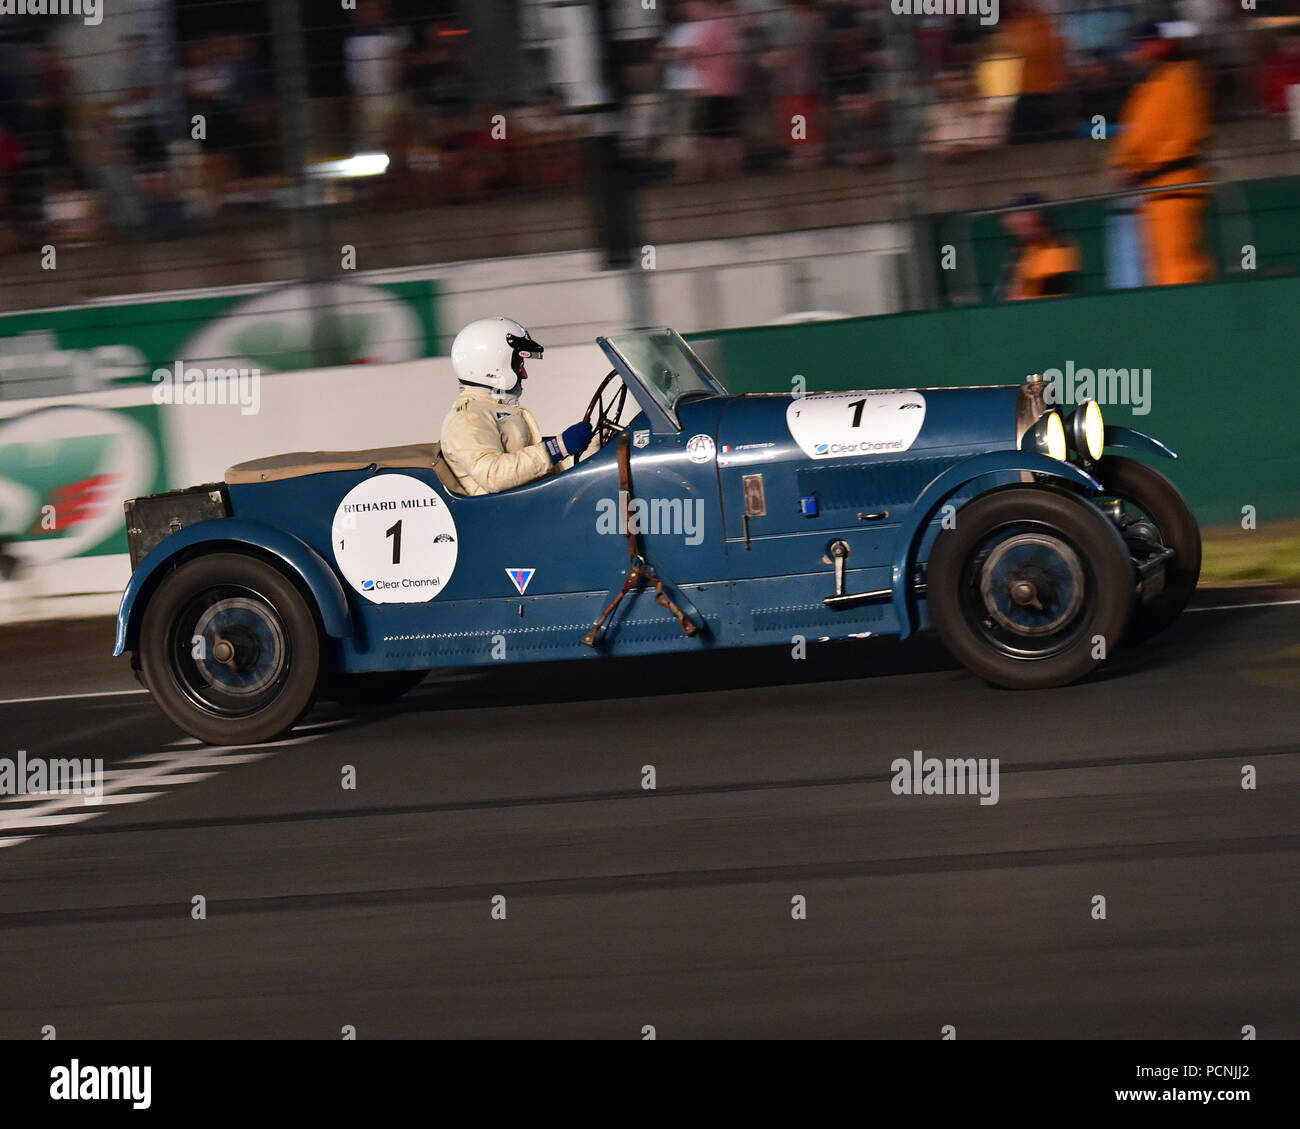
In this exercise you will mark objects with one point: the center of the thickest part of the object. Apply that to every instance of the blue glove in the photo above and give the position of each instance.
(573, 442)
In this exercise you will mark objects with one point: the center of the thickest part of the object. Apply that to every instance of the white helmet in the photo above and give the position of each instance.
(490, 352)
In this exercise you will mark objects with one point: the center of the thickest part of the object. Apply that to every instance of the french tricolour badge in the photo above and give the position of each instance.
(520, 577)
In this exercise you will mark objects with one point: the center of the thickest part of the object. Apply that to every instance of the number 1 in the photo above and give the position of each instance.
(396, 534)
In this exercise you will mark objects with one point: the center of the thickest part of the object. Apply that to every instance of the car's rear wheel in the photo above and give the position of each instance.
(230, 649)
(371, 688)
(1032, 588)
(1149, 502)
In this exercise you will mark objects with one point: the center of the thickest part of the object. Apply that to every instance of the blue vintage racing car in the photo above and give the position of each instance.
(700, 521)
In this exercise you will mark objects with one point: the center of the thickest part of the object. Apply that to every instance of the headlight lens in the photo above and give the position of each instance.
(1047, 437)
(1088, 430)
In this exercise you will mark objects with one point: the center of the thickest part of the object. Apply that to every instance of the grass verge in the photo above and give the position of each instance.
(1269, 555)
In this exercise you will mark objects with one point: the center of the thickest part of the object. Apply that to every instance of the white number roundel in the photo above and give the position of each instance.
(394, 540)
(837, 425)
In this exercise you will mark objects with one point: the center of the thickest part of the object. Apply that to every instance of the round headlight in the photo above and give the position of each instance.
(1047, 436)
(1088, 430)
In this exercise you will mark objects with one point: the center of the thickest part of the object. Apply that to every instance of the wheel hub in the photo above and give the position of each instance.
(1032, 584)
(239, 646)
(1024, 593)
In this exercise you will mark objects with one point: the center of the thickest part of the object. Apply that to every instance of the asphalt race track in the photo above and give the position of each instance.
(625, 908)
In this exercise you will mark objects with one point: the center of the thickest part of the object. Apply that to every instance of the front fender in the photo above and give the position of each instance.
(944, 487)
(239, 533)
(1117, 436)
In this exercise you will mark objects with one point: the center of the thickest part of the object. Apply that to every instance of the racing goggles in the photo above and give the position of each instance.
(524, 348)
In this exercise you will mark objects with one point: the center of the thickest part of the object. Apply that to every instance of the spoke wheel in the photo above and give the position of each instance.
(230, 649)
(1032, 588)
(1031, 585)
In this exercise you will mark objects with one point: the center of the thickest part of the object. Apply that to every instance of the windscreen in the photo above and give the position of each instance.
(667, 366)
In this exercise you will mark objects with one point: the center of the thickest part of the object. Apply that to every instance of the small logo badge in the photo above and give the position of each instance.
(521, 578)
(699, 448)
(640, 438)
(367, 586)
(822, 448)
(443, 537)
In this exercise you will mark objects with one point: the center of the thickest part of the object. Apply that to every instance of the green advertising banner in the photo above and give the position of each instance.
(279, 329)
(64, 471)
(65, 468)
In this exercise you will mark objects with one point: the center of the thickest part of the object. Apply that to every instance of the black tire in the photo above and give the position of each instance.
(1041, 543)
(254, 613)
(373, 688)
(1159, 499)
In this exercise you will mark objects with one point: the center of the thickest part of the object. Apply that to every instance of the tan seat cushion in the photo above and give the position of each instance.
(276, 468)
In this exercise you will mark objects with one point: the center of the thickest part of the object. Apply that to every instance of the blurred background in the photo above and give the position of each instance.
(843, 192)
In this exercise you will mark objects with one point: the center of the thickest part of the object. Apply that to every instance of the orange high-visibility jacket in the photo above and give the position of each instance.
(1045, 269)
(1166, 119)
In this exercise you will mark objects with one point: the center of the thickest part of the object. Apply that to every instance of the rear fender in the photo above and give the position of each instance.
(235, 534)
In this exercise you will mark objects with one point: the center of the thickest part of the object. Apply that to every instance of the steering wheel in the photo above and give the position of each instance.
(606, 410)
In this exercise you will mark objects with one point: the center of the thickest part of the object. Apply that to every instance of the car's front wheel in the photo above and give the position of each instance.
(230, 649)
(1032, 587)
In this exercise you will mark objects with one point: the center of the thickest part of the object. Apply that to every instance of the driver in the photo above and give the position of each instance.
(488, 440)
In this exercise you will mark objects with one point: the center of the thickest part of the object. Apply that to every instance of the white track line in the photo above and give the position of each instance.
(1235, 607)
(69, 697)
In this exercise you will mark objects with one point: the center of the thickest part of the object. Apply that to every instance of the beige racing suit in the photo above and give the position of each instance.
(493, 446)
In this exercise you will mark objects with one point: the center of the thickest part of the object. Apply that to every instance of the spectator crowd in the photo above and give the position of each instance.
(709, 89)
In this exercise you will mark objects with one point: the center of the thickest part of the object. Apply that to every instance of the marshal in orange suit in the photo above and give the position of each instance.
(1164, 127)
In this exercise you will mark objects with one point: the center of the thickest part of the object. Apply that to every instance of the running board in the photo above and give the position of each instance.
(839, 551)
(857, 599)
